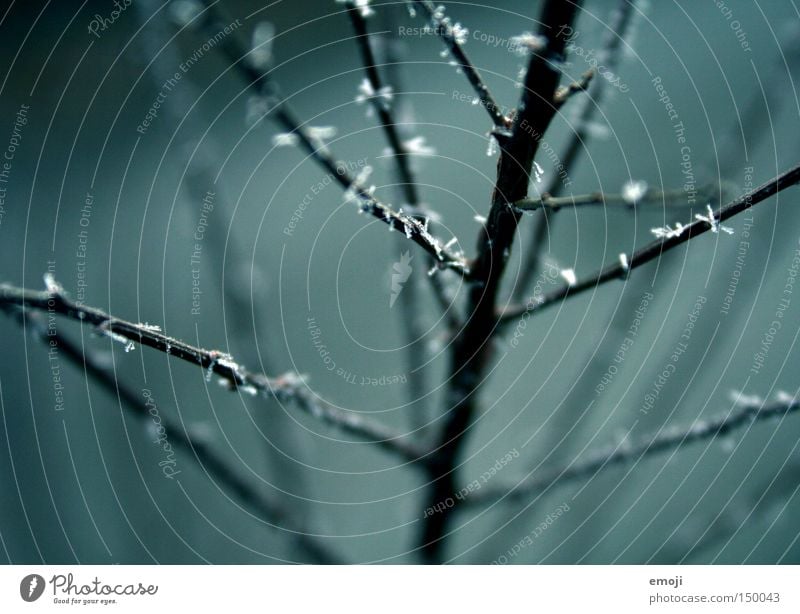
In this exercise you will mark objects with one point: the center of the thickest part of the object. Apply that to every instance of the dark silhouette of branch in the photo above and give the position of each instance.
(658, 247)
(451, 34)
(611, 46)
(223, 475)
(288, 387)
(472, 347)
(742, 414)
(636, 196)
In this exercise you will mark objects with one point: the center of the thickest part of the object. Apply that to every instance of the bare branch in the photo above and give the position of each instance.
(744, 413)
(277, 110)
(451, 36)
(472, 347)
(617, 30)
(209, 460)
(381, 105)
(668, 198)
(289, 387)
(657, 248)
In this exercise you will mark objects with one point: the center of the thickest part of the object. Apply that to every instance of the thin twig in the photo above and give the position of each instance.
(566, 92)
(289, 387)
(381, 106)
(611, 46)
(668, 198)
(658, 247)
(208, 459)
(672, 440)
(278, 111)
(449, 33)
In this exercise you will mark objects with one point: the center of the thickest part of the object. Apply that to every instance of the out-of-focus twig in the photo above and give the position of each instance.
(225, 476)
(674, 438)
(658, 247)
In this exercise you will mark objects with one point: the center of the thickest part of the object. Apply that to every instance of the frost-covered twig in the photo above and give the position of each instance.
(256, 72)
(472, 346)
(631, 196)
(222, 473)
(656, 248)
(611, 46)
(454, 37)
(742, 414)
(380, 101)
(289, 387)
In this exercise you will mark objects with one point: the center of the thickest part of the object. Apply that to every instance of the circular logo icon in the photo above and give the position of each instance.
(31, 587)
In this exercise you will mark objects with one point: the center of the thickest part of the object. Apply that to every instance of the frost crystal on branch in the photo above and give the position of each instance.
(53, 287)
(491, 148)
(746, 400)
(527, 42)
(418, 147)
(538, 172)
(711, 220)
(665, 232)
(258, 107)
(362, 6)
(460, 34)
(634, 191)
(261, 55)
(319, 134)
(366, 93)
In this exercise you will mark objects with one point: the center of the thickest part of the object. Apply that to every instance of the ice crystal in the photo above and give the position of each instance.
(712, 221)
(634, 191)
(526, 42)
(362, 6)
(261, 54)
(491, 148)
(285, 139)
(460, 34)
(538, 172)
(665, 232)
(418, 147)
(257, 108)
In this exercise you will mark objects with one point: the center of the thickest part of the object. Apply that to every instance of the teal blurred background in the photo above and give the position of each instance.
(84, 484)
